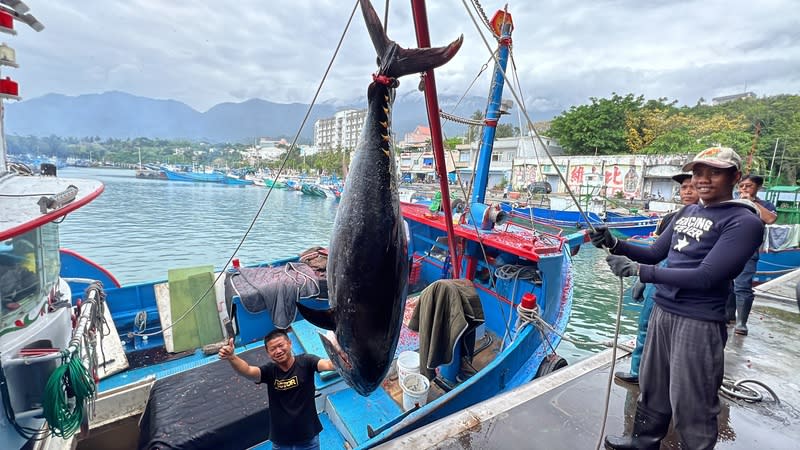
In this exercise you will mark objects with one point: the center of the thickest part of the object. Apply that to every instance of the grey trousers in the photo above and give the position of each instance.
(681, 372)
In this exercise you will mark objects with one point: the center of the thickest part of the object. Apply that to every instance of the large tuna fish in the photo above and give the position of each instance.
(368, 255)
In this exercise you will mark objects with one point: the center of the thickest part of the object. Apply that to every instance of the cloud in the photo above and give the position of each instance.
(204, 53)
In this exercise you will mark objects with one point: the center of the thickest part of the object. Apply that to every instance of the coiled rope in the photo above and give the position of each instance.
(736, 390)
(67, 395)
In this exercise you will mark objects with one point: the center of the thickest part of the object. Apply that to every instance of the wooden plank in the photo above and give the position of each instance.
(209, 330)
(165, 314)
(115, 359)
(185, 329)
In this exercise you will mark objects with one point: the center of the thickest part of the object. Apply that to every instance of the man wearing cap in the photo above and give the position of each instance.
(683, 361)
(740, 300)
(644, 292)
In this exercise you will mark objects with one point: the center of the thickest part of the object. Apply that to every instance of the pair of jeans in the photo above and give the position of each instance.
(312, 444)
(644, 320)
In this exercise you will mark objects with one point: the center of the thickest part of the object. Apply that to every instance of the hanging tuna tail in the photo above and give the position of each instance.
(395, 61)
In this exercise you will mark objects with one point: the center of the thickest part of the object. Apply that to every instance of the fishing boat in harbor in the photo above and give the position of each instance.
(48, 346)
(197, 176)
(623, 224)
(780, 252)
(518, 283)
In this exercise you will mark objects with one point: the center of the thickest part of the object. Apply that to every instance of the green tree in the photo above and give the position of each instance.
(599, 127)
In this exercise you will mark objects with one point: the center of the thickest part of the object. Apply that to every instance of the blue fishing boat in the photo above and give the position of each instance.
(517, 282)
(210, 176)
(236, 180)
(625, 225)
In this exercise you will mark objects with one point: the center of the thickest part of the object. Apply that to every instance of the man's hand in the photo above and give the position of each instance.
(622, 266)
(226, 351)
(637, 291)
(602, 237)
(325, 365)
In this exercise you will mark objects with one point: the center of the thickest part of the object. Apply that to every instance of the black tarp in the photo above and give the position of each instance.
(208, 407)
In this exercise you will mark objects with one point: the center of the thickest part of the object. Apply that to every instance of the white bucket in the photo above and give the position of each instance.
(407, 362)
(415, 390)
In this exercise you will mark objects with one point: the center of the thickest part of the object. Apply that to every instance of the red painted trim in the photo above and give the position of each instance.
(493, 293)
(88, 261)
(525, 244)
(51, 216)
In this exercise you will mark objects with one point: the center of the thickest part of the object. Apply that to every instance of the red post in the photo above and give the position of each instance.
(432, 102)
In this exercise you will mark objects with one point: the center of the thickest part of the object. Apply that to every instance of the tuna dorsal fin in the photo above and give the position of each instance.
(396, 61)
(323, 318)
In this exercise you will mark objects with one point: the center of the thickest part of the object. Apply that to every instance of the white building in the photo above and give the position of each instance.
(625, 176)
(340, 131)
(507, 153)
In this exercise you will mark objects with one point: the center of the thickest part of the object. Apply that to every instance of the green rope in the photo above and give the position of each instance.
(65, 396)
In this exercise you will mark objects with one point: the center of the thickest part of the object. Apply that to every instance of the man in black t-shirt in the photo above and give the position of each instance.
(290, 386)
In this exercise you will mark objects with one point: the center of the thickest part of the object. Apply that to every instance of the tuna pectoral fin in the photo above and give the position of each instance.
(335, 352)
(322, 318)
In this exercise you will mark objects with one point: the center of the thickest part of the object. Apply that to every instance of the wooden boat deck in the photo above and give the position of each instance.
(564, 409)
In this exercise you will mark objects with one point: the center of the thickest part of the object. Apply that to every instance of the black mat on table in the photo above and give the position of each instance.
(208, 407)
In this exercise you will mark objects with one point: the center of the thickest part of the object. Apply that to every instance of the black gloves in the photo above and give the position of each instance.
(602, 237)
(621, 266)
(637, 291)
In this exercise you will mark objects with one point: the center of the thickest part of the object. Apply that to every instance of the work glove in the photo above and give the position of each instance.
(622, 266)
(637, 291)
(602, 237)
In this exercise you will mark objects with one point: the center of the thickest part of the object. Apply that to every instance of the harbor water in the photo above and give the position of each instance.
(140, 228)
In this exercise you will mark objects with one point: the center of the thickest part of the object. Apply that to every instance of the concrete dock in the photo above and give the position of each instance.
(565, 409)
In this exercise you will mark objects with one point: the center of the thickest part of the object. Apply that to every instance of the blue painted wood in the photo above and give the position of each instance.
(308, 337)
(356, 412)
(328, 439)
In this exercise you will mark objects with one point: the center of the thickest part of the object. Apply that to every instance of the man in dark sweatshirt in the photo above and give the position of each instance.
(683, 360)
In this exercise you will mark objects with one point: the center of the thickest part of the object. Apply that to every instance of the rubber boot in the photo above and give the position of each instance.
(627, 377)
(742, 313)
(649, 428)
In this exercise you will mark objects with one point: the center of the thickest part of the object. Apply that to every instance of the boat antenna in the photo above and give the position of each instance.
(530, 122)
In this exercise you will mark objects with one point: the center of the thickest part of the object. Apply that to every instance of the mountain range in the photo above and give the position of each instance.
(121, 115)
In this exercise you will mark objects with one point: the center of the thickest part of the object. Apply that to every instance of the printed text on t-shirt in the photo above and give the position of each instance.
(693, 227)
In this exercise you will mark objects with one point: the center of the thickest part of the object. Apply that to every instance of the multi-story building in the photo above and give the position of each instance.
(506, 154)
(340, 131)
(732, 98)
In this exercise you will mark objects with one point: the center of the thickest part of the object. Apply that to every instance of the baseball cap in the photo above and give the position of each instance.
(681, 177)
(720, 157)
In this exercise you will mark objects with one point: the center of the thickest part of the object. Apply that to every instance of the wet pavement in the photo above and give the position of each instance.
(565, 410)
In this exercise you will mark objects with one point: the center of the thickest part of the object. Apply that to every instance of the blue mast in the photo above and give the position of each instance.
(493, 108)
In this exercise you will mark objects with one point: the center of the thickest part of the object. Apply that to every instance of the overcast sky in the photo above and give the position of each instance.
(204, 53)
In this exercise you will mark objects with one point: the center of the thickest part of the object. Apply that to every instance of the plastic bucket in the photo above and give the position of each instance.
(415, 390)
(407, 362)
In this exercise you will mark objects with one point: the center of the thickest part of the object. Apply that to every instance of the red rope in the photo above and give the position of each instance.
(383, 79)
